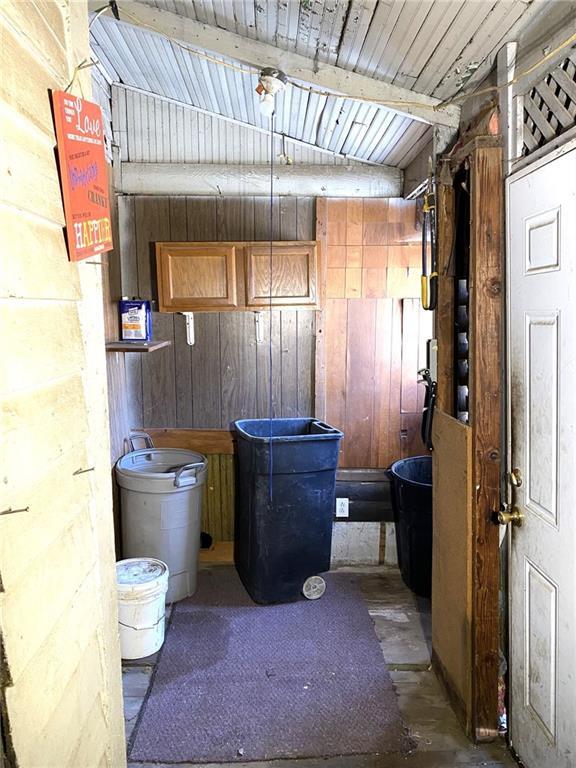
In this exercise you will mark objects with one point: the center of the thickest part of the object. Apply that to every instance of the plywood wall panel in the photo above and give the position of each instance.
(452, 562)
(206, 373)
(224, 376)
(374, 329)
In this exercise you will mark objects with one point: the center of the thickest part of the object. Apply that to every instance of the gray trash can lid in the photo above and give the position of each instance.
(161, 469)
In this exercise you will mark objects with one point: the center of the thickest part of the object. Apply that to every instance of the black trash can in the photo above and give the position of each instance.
(412, 501)
(284, 504)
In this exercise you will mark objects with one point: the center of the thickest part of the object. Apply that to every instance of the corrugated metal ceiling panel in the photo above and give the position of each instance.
(430, 46)
(145, 60)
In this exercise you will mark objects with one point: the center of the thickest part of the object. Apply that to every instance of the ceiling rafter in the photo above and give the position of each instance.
(319, 75)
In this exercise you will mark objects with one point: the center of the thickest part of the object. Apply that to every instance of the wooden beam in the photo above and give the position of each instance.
(511, 122)
(257, 54)
(486, 272)
(445, 308)
(222, 179)
(206, 441)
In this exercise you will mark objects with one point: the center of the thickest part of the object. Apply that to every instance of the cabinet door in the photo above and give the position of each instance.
(294, 271)
(196, 276)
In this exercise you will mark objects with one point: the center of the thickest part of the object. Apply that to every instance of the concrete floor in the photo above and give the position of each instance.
(402, 623)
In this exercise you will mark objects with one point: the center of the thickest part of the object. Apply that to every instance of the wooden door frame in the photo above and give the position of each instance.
(479, 716)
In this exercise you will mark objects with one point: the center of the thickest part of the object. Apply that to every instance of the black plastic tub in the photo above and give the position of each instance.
(412, 502)
(285, 502)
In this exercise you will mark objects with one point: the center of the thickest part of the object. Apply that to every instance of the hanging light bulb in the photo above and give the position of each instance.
(270, 82)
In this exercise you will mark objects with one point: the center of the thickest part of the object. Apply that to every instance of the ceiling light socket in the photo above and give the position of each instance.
(272, 80)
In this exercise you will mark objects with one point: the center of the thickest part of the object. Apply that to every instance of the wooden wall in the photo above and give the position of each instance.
(224, 376)
(373, 329)
(60, 695)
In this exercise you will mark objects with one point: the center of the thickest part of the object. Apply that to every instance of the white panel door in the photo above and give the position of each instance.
(542, 377)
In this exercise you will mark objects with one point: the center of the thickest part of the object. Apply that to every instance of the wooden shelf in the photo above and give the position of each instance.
(135, 346)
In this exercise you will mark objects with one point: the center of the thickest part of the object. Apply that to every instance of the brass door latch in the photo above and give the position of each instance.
(514, 516)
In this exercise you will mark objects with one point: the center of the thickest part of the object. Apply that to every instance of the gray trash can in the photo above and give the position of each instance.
(160, 500)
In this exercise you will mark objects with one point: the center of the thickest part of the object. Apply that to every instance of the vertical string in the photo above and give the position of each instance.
(270, 270)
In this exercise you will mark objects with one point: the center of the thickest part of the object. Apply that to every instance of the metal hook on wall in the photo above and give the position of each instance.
(259, 318)
(190, 337)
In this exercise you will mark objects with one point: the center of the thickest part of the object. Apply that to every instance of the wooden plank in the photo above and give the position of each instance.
(353, 283)
(452, 558)
(289, 218)
(411, 441)
(375, 222)
(271, 329)
(445, 309)
(373, 283)
(335, 212)
(127, 245)
(37, 359)
(227, 496)
(235, 217)
(320, 373)
(354, 212)
(238, 366)
(36, 268)
(136, 346)
(410, 338)
(336, 332)
(206, 372)
(306, 320)
(152, 218)
(305, 218)
(485, 413)
(289, 362)
(336, 283)
(360, 382)
(202, 221)
(354, 254)
(394, 440)
(158, 376)
(379, 450)
(262, 218)
(206, 441)
(182, 350)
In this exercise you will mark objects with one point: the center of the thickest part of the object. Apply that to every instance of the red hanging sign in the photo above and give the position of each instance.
(83, 175)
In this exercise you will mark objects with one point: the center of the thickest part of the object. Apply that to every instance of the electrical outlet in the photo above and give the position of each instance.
(342, 507)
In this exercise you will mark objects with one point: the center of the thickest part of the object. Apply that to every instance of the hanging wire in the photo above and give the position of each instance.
(270, 273)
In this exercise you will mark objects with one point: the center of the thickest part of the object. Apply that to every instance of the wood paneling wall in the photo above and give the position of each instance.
(373, 329)
(61, 699)
(225, 375)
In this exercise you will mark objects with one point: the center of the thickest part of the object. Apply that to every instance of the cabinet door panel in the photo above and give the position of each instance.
(294, 274)
(196, 276)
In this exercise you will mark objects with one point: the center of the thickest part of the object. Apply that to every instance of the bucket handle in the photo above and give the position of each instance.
(148, 442)
(184, 468)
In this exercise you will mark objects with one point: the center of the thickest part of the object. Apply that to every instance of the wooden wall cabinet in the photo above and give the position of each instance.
(209, 277)
(193, 276)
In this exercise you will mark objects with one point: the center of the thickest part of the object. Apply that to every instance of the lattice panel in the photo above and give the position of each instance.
(550, 107)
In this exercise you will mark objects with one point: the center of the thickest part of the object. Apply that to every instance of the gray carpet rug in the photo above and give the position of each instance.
(240, 681)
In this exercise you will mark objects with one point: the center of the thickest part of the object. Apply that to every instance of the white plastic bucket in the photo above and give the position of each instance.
(142, 583)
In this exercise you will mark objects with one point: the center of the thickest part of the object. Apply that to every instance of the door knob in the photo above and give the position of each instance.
(515, 478)
(515, 517)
